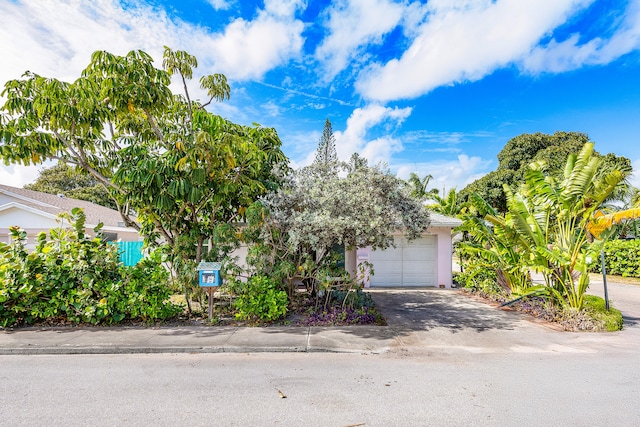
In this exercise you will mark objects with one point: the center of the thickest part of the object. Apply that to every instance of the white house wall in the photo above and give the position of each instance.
(34, 223)
(444, 249)
(25, 219)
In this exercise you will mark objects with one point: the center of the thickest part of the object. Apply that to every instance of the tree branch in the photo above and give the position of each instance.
(153, 124)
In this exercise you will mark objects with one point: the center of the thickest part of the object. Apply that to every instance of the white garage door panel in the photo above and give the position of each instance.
(409, 264)
(388, 272)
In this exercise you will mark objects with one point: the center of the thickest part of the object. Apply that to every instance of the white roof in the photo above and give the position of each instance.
(439, 220)
(50, 205)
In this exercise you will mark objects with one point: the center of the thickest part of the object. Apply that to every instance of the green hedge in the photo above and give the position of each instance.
(74, 278)
(622, 258)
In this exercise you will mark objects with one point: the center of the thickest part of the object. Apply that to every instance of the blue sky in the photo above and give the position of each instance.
(433, 87)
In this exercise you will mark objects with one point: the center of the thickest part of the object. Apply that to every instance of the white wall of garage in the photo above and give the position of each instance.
(424, 262)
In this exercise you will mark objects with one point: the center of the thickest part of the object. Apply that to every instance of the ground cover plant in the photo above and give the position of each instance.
(592, 317)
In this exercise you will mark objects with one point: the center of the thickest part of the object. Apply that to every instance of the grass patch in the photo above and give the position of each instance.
(596, 307)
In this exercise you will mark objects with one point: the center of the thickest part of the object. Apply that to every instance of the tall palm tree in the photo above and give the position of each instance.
(448, 205)
(419, 186)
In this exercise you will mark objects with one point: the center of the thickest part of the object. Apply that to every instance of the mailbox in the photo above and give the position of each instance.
(209, 273)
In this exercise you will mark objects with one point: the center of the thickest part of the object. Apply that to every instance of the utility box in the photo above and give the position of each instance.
(209, 273)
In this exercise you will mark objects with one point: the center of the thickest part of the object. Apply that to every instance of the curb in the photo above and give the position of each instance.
(57, 351)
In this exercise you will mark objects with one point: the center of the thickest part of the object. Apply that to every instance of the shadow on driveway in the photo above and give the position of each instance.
(425, 309)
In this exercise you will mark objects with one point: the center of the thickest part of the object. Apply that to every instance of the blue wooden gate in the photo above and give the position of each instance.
(130, 252)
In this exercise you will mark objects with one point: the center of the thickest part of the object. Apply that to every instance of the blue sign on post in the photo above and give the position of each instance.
(209, 273)
(209, 278)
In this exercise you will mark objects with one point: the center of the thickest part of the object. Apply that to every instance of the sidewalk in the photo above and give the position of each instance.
(436, 320)
(195, 339)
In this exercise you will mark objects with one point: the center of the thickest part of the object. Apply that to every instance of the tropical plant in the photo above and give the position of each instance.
(419, 186)
(180, 174)
(260, 298)
(568, 205)
(449, 205)
(493, 245)
(546, 224)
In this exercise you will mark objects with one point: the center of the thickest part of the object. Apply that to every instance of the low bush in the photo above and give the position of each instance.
(260, 299)
(478, 278)
(354, 298)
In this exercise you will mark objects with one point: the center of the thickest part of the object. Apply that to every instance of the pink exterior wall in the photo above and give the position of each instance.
(444, 256)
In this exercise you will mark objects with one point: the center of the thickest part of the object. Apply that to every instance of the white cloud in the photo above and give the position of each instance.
(57, 39)
(570, 54)
(464, 41)
(362, 120)
(450, 174)
(220, 4)
(352, 25)
(634, 179)
(355, 138)
(19, 176)
(284, 8)
(248, 49)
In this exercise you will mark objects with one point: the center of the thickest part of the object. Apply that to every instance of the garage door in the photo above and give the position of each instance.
(408, 264)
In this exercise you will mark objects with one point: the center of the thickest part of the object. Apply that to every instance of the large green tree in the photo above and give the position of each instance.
(354, 206)
(73, 183)
(519, 152)
(326, 153)
(177, 172)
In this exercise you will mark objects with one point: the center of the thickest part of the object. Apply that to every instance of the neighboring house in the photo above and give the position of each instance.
(423, 262)
(34, 212)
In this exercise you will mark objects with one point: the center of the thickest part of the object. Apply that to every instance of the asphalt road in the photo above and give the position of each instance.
(563, 389)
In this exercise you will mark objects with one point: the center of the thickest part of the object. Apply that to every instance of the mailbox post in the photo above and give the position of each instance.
(209, 278)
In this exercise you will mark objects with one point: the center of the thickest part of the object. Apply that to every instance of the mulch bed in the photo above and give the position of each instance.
(540, 310)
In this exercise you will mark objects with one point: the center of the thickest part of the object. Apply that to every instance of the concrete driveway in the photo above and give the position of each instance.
(449, 321)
